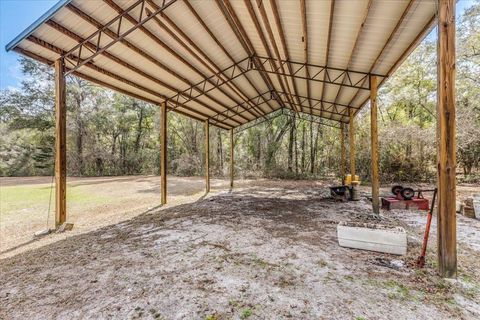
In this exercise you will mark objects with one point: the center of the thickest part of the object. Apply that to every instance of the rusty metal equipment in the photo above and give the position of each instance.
(421, 258)
(404, 198)
(345, 192)
(339, 193)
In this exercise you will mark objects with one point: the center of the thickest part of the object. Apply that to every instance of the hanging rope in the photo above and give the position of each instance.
(50, 198)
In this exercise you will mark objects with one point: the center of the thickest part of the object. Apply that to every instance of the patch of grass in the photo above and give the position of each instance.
(233, 302)
(212, 317)
(399, 290)
(35, 197)
(420, 272)
(360, 318)
(246, 313)
(467, 278)
(349, 278)
(322, 263)
(258, 261)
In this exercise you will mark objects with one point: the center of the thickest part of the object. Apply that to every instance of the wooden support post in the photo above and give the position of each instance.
(374, 144)
(163, 152)
(351, 135)
(343, 152)
(232, 160)
(60, 144)
(207, 156)
(446, 136)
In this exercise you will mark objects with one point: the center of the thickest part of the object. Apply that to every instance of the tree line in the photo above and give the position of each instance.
(111, 134)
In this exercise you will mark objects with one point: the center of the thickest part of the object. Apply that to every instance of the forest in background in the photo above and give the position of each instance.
(111, 134)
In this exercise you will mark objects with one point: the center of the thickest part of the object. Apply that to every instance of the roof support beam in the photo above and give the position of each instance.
(119, 61)
(213, 82)
(329, 38)
(191, 44)
(112, 87)
(303, 9)
(278, 23)
(302, 116)
(91, 66)
(263, 14)
(241, 35)
(131, 19)
(263, 98)
(355, 79)
(220, 45)
(317, 105)
(390, 38)
(137, 22)
(253, 16)
(428, 26)
(359, 33)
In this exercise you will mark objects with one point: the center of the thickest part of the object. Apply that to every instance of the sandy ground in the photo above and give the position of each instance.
(95, 202)
(265, 251)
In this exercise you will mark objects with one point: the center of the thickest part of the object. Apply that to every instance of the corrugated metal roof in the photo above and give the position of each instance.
(208, 51)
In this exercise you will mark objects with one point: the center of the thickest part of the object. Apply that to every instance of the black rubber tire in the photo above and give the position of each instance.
(407, 193)
(396, 189)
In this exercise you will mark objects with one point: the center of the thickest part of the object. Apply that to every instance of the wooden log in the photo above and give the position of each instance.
(351, 135)
(446, 159)
(60, 144)
(374, 144)
(343, 153)
(232, 159)
(207, 156)
(163, 152)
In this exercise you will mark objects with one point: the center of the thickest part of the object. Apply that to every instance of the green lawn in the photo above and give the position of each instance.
(25, 198)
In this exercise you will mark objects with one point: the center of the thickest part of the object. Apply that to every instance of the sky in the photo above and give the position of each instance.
(17, 15)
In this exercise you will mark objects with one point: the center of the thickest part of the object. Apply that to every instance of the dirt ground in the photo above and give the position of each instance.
(266, 250)
(26, 205)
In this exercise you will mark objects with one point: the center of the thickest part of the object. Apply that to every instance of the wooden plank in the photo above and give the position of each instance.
(351, 135)
(207, 157)
(446, 159)
(374, 144)
(342, 152)
(163, 152)
(60, 144)
(232, 159)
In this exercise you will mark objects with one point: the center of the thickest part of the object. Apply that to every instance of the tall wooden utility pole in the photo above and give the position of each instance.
(343, 152)
(446, 159)
(163, 152)
(374, 144)
(351, 135)
(207, 156)
(232, 159)
(60, 144)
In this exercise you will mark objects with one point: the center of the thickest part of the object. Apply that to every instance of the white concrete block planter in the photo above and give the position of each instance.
(373, 237)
